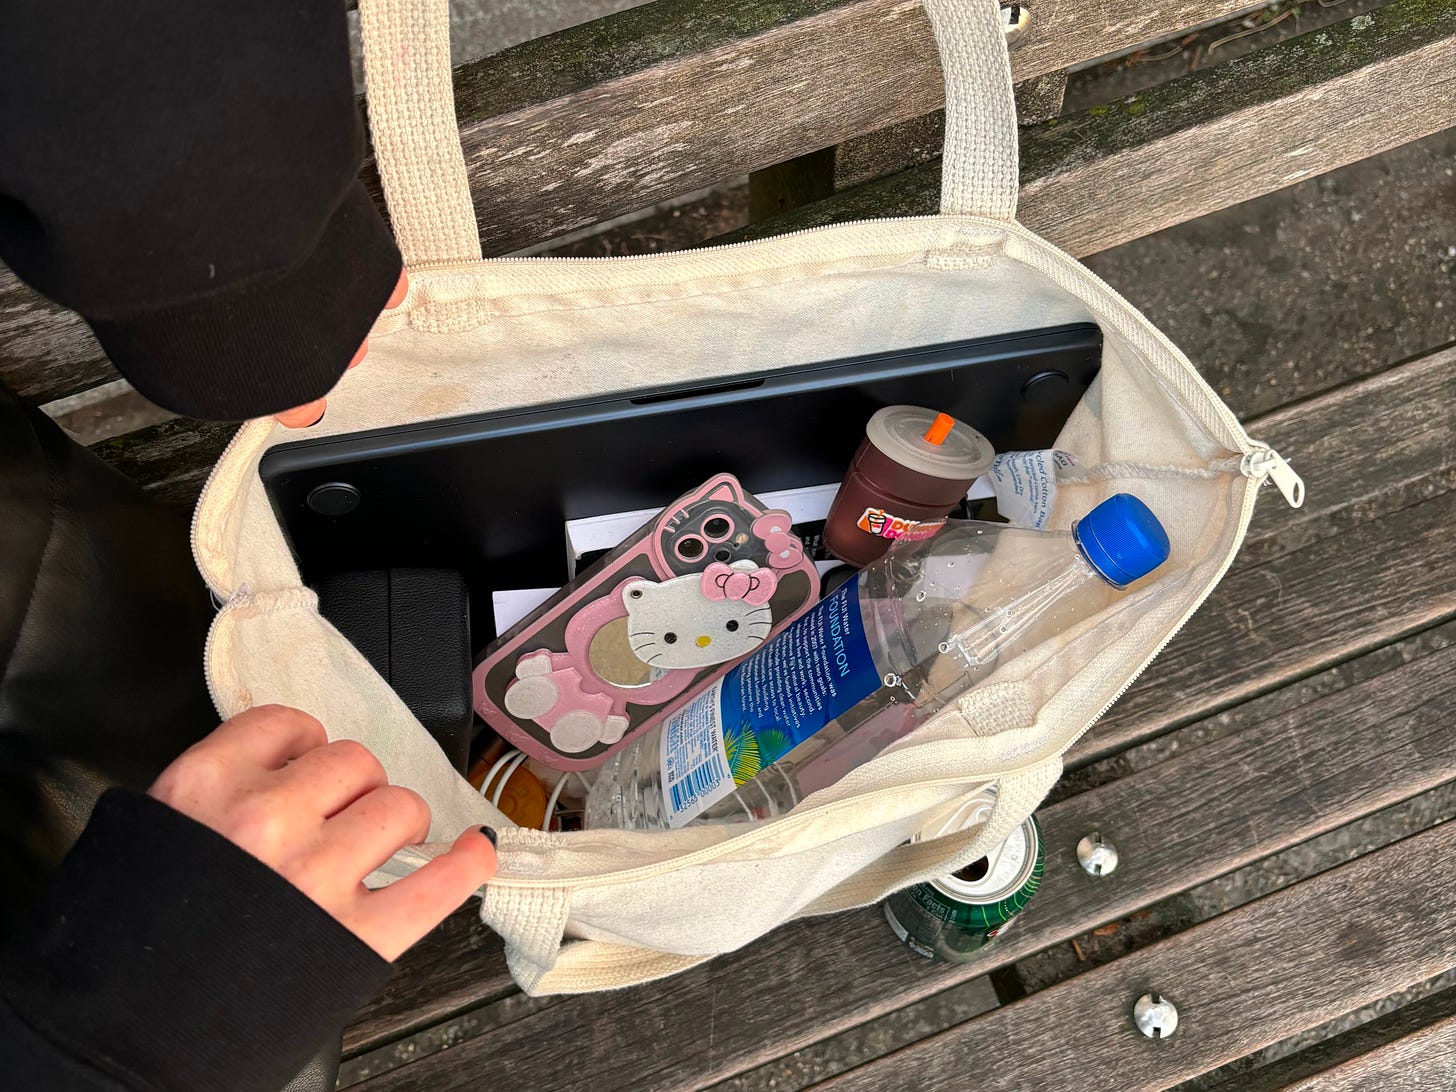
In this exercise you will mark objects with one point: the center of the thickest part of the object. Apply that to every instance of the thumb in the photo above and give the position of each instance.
(416, 904)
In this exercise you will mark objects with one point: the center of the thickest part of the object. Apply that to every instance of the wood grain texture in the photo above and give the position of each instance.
(1266, 971)
(1362, 441)
(46, 351)
(172, 460)
(459, 965)
(1309, 105)
(1422, 1061)
(1288, 783)
(616, 115)
(654, 102)
(1207, 140)
(1040, 99)
(1330, 1053)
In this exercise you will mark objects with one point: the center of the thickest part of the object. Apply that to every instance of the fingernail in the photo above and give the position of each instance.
(490, 833)
(401, 289)
(303, 416)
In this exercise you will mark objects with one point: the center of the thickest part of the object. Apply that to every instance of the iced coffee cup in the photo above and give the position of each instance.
(914, 466)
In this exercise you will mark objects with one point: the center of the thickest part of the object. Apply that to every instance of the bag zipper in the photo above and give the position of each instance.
(1266, 464)
(197, 511)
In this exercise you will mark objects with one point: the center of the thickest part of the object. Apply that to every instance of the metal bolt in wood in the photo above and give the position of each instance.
(1015, 18)
(1155, 1016)
(1096, 855)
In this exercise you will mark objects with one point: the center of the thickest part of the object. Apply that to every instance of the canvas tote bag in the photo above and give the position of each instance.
(602, 909)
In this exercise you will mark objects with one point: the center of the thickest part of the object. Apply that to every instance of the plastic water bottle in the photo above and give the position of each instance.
(907, 635)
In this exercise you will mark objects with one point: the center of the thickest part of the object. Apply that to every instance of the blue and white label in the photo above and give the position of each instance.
(694, 763)
(816, 670)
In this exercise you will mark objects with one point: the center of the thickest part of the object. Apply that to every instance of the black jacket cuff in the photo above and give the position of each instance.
(167, 957)
(269, 344)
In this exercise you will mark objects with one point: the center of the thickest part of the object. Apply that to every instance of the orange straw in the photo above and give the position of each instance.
(940, 429)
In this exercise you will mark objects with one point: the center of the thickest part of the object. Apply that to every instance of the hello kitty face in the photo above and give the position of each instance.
(698, 620)
(714, 529)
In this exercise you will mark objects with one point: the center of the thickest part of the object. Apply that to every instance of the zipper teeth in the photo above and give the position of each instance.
(1186, 375)
(197, 511)
(192, 529)
(207, 661)
(549, 259)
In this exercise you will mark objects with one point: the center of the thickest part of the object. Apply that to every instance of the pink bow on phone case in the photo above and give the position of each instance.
(754, 586)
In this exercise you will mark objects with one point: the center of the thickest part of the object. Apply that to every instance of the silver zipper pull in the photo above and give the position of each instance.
(1266, 463)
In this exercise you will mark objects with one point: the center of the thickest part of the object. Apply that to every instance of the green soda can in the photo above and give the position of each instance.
(952, 917)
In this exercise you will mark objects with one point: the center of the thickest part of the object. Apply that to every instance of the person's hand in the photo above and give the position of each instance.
(323, 815)
(310, 413)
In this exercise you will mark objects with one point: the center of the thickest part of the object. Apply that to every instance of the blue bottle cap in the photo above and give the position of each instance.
(1122, 539)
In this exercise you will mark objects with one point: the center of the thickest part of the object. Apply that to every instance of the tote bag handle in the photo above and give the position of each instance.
(411, 105)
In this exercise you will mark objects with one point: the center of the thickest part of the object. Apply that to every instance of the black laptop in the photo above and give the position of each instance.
(488, 495)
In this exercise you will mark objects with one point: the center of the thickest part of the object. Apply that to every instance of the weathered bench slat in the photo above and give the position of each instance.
(1207, 140)
(1244, 980)
(827, 976)
(1361, 442)
(1424, 1060)
(171, 460)
(616, 115)
(1361, 1040)
(46, 351)
(1275, 620)
(460, 965)
(607, 118)
(1334, 425)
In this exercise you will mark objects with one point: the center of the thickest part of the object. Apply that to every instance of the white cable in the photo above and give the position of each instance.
(505, 777)
(556, 795)
(485, 785)
(551, 804)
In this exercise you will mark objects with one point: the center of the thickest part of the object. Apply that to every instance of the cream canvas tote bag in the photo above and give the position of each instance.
(602, 909)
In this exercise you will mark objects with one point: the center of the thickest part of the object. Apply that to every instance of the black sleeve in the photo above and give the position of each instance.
(167, 958)
(184, 176)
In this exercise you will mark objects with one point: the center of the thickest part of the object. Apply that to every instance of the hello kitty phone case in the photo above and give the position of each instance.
(657, 620)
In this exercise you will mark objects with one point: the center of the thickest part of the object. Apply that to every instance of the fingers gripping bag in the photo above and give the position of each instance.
(600, 909)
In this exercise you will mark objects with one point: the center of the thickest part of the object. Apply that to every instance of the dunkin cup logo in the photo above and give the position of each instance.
(887, 525)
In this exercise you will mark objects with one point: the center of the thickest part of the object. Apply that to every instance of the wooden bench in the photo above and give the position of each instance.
(1255, 779)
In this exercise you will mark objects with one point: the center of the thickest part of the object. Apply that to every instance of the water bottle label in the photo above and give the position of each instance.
(816, 670)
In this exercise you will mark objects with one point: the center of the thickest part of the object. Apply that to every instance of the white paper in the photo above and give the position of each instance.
(1025, 484)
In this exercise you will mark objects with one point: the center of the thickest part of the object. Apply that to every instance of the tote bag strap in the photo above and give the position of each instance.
(412, 125)
(979, 169)
(417, 143)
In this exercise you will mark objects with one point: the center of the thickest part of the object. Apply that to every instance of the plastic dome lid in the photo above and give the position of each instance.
(1122, 539)
(930, 443)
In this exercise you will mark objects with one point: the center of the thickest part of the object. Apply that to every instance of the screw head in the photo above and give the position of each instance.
(1015, 18)
(1155, 1016)
(1097, 855)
